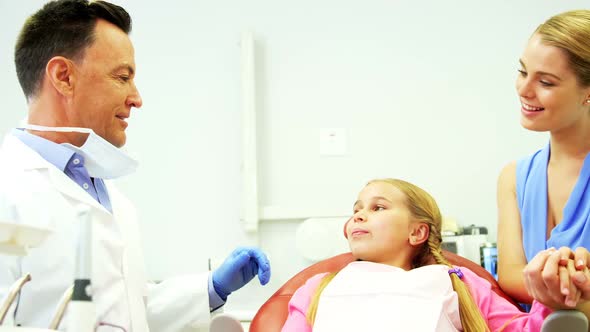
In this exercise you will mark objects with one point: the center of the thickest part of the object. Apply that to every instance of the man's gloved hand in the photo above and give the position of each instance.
(239, 268)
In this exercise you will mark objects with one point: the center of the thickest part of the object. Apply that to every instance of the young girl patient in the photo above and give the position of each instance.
(401, 281)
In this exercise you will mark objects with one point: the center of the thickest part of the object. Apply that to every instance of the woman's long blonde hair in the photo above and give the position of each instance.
(570, 31)
(424, 210)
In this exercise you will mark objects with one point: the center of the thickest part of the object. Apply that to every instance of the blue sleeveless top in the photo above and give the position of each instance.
(531, 193)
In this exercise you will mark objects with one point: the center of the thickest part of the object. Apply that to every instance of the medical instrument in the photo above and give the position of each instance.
(17, 239)
(82, 314)
(61, 308)
(12, 293)
(465, 245)
(489, 258)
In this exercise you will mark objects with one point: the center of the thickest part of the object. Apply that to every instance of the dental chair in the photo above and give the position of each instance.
(273, 313)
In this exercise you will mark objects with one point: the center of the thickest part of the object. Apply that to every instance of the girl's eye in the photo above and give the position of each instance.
(522, 72)
(124, 78)
(379, 208)
(545, 83)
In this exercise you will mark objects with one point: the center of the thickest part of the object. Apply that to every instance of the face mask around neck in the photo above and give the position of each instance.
(101, 159)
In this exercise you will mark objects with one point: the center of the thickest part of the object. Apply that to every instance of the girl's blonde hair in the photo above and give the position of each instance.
(570, 31)
(424, 210)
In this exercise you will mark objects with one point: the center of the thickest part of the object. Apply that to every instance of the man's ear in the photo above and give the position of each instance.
(587, 99)
(419, 233)
(60, 74)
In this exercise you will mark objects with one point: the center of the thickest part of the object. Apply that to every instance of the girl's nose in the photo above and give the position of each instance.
(359, 217)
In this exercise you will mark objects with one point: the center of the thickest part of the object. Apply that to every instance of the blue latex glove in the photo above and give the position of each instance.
(239, 268)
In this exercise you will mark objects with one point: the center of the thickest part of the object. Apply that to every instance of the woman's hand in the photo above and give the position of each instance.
(559, 278)
(581, 275)
(542, 279)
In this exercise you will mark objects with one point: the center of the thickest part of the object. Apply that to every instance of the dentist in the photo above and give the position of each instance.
(75, 63)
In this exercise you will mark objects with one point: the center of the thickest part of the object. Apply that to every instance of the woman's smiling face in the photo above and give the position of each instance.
(550, 94)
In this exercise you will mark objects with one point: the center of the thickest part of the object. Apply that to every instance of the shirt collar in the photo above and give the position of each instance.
(56, 154)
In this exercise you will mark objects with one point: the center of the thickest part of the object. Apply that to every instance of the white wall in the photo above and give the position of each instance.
(425, 90)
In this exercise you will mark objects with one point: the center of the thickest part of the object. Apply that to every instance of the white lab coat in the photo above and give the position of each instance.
(45, 197)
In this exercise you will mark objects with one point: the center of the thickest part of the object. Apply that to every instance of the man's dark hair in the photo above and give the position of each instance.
(61, 28)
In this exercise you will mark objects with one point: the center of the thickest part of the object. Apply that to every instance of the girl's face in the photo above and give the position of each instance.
(381, 226)
(551, 98)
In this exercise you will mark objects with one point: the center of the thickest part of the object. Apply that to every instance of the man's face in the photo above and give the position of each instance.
(104, 88)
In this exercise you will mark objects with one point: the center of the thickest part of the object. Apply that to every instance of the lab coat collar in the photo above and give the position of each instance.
(28, 159)
(14, 149)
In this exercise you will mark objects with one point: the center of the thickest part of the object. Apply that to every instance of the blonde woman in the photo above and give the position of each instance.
(401, 278)
(544, 199)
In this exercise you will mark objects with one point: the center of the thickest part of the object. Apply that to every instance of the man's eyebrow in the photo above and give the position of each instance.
(125, 66)
(541, 72)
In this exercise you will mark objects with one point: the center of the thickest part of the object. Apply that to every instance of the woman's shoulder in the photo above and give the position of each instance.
(515, 172)
(510, 168)
(507, 174)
